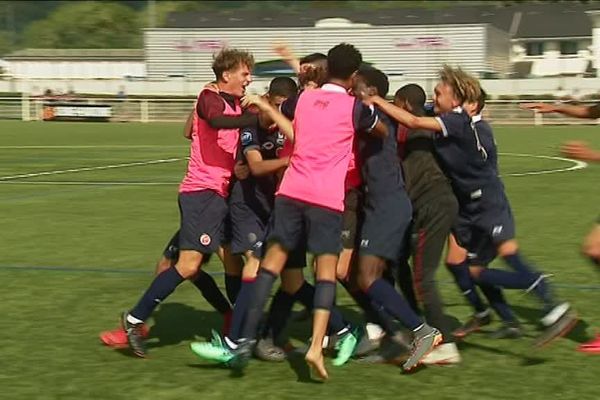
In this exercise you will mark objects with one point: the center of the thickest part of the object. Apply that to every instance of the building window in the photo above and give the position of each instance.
(568, 48)
(535, 48)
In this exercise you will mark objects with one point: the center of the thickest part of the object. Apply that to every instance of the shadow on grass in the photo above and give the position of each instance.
(299, 366)
(525, 360)
(175, 323)
(233, 373)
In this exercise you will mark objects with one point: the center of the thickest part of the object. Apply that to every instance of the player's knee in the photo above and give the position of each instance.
(189, 263)
(475, 271)
(164, 264)
(508, 248)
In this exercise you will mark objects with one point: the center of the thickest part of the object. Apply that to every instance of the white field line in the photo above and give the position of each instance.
(576, 164)
(83, 169)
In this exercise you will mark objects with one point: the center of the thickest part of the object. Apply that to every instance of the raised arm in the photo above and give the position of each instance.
(578, 111)
(285, 52)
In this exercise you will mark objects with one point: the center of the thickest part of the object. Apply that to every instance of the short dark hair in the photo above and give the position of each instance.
(312, 58)
(343, 60)
(481, 101)
(376, 78)
(414, 95)
(229, 59)
(282, 86)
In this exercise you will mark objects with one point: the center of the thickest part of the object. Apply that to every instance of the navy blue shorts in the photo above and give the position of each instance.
(482, 225)
(293, 220)
(171, 251)
(386, 221)
(249, 210)
(203, 216)
(351, 218)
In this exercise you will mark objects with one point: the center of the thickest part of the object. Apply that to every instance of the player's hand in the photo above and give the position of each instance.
(580, 151)
(241, 170)
(253, 99)
(538, 107)
(283, 50)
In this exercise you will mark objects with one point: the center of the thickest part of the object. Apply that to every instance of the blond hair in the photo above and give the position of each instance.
(466, 87)
(230, 59)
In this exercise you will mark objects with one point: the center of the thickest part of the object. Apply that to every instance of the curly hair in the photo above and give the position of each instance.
(229, 59)
(465, 86)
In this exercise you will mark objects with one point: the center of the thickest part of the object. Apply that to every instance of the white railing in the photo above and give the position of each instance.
(176, 110)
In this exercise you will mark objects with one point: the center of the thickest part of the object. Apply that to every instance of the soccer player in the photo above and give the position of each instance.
(204, 189)
(578, 150)
(387, 215)
(434, 211)
(481, 198)
(457, 256)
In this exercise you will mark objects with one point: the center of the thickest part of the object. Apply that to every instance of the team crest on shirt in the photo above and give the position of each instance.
(246, 138)
(205, 239)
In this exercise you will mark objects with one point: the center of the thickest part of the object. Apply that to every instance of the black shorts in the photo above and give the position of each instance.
(482, 225)
(352, 217)
(294, 218)
(386, 222)
(202, 221)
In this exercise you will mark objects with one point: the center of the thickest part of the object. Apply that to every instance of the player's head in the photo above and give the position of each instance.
(313, 70)
(375, 81)
(412, 98)
(233, 70)
(280, 89)
(455, 88)
(343, 62)
(474, 108)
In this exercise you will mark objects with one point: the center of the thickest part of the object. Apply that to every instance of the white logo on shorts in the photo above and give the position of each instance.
(364, 243)
(205, 239)
(497, 230)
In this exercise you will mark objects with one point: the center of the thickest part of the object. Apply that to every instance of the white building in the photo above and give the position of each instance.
(75, 64)
(412, 51)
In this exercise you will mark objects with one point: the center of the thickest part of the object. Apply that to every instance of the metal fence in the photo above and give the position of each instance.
(500, 112)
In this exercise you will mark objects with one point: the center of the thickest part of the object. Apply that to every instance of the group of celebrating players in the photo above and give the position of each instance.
(329, 167)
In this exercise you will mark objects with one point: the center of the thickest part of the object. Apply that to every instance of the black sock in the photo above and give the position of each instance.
(209, 289)
(542, 289)
(233, 284)
(463, 279)
(279, 312)
(161, 287)
(382, 293)
(373, 315)
(306, 295)
(498, 303)
(240, 309)
(262, 288)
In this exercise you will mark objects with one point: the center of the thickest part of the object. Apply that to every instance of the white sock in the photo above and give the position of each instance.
(133, 320)
(374, 331)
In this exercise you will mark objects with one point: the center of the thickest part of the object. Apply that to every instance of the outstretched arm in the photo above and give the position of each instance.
(579, 111)
(284, 124)
(404, 117)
